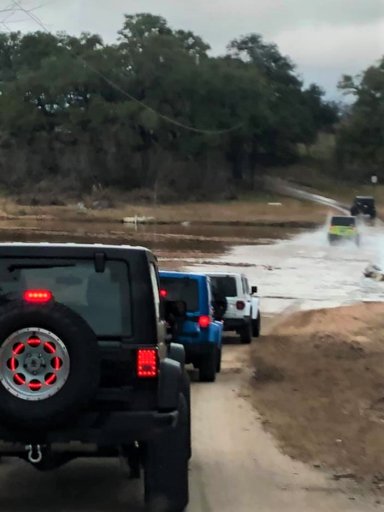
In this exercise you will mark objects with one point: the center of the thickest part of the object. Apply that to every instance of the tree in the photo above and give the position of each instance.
(360, 141)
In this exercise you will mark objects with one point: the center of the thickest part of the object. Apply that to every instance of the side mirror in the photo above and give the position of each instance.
(254, 290)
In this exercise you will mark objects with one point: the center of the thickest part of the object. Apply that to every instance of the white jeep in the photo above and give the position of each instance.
(242, 305)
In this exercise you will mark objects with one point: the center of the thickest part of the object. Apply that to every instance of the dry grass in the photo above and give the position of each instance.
(240, 211)
(319, 385)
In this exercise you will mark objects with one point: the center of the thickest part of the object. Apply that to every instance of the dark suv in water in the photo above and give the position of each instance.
(85, 369)
(364, 205)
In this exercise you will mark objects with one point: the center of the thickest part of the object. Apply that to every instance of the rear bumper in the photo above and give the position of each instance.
(233, 324)
(368, 213)
(335, 238)
(196, 350)
(102, 429)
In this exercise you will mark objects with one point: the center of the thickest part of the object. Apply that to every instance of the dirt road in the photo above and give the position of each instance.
(236, 466)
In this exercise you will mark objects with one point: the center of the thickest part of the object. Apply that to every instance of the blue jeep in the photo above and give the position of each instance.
(197, 331)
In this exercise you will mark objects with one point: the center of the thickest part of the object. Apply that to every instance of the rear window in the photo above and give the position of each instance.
(343, 221)
(369, 201)
(224, 286)
(185, 289)
(102, 299)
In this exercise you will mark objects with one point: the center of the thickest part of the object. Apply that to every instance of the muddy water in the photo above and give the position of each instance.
(304, 272)
(185, 238)
(293, 269)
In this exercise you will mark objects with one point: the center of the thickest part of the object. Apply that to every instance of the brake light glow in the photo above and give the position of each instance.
(204, 321)
(163, 293)
(37, 296)
(146, 363)
(240, 305)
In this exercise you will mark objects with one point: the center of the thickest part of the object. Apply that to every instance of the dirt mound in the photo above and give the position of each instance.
(347, 321)
(319, 385)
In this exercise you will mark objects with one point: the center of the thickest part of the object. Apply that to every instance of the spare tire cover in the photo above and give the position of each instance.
(220, 306)
(49, 364)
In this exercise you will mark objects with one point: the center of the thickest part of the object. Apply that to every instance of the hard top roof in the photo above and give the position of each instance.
(70, 245)
(179, 274)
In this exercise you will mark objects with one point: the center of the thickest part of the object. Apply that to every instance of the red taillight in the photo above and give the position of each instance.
(163, 293)
(240, 305)
(147, 366)
(37, 296)
(204, 321)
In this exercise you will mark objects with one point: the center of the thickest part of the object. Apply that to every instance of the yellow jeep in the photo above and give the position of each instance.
(343, 228)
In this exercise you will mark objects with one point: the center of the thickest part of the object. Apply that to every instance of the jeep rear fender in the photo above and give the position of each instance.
(170, 381)
(177, 353)
(215, 332)
(255, 307)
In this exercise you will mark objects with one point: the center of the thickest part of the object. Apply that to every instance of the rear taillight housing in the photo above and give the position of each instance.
(37, 296)
(240, 305)
(147, 365)
(204, 321)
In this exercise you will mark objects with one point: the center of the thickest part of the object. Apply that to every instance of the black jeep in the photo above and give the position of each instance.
(85, 369)
(364, 205)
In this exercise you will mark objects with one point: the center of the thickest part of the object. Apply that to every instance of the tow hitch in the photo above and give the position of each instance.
(34, 453)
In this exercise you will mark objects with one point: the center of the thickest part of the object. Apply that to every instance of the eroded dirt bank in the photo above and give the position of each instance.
(318, 384)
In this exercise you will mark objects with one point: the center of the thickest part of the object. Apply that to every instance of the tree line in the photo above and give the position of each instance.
(155, 111)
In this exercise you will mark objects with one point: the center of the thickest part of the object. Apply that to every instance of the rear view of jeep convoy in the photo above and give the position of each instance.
(88, 367)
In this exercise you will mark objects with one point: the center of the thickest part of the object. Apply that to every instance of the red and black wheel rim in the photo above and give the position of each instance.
(34, 364)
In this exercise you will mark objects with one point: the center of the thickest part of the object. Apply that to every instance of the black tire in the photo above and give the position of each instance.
(166, 467)
(83, 378)
(208, 367)
(186, 391)
(256, 326)
(218, 361)
(246, 333)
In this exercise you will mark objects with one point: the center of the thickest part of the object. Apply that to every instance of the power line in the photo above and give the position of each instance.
(162, 116)
(110, 82)
(29, 13)
(12, 8)
(11, 11)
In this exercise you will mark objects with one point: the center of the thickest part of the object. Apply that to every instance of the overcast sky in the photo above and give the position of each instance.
(325, 38)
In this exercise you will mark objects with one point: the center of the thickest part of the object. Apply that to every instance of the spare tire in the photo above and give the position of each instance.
(220, 306)
(49, 364)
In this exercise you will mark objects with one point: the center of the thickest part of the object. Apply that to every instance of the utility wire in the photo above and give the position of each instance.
(12, 9)
(110, 82)
(162, 116)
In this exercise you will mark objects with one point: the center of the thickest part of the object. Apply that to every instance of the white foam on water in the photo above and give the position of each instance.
(307, 271)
